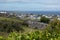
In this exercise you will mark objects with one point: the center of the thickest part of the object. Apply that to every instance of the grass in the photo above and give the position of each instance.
(10, 19)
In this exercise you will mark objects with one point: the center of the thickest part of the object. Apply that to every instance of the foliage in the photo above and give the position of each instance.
(10, 25)
(52, 32)
(53, 29)
(37, 35)
(44, 19)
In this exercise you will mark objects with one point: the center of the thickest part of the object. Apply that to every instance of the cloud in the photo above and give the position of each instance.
(30, 5)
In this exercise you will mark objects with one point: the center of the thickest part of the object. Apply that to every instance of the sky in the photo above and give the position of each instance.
(30, 5)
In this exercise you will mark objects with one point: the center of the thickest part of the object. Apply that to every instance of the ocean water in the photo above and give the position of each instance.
(36, 12)
(42, 12)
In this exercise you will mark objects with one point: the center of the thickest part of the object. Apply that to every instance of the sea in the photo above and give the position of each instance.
(36, 12)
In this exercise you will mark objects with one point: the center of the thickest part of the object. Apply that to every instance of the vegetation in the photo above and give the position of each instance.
(14, 26)
(44, 19)
(52, 32)
(10, 25)
(36, 35)
(53, 29)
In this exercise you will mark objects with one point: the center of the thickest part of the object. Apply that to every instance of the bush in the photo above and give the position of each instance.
(37, 35)
(44, 19)
(53, 29)
(10, 25)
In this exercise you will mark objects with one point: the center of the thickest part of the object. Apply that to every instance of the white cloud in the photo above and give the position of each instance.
(31, 4)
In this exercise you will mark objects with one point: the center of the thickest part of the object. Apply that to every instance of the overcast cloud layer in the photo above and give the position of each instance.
(30, 5)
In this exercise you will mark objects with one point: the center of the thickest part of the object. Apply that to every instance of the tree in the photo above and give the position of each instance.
(44, 19)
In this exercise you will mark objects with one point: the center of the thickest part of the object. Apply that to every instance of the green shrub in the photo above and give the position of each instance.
(10, 25)
(44, 19)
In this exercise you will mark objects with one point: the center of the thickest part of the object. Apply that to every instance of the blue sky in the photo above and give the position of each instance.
(30, 5)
